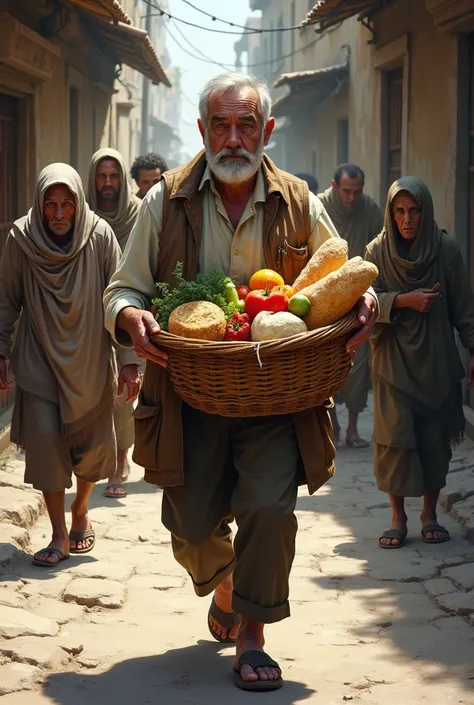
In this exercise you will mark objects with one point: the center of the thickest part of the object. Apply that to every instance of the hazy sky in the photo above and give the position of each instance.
(218, 47)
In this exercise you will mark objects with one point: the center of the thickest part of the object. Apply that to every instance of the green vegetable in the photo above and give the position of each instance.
(231, 294)
(206, 287)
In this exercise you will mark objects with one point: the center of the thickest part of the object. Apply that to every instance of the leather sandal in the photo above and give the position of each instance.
(227, 620)
(256, 659)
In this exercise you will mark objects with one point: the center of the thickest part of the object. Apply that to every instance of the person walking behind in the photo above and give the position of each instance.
(110, 196)
(55, 266)
(424, 294)
(147, 171)
(229, 209)
(312, 182)
(358, 219)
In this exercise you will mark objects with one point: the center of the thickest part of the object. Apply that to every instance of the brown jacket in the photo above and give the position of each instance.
(158, 426)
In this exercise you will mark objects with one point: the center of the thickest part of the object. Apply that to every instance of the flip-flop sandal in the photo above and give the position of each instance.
(51, 551)
(360, 443)
(256, 659)
(430, 529)
(393, 534)
(115, 486)
(82, 536)
(228, 620)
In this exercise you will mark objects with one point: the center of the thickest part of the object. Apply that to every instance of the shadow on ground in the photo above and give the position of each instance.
(195, 675)
(378, 596)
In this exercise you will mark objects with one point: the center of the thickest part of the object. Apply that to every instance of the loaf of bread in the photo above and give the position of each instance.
(336, 294)
(202, 320)
(328, 258)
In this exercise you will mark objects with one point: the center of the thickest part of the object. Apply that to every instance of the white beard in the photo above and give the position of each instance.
(234, 172)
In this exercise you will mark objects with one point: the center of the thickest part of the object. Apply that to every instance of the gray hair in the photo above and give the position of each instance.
(227, 82)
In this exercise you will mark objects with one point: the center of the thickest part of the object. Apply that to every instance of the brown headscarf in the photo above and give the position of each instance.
(416, 353)
(64, 292)
(123, 220)
(357, 227)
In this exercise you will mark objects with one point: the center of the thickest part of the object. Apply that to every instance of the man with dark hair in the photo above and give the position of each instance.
(312, 182)
(147, 171)
(358, 219)
(110, 196)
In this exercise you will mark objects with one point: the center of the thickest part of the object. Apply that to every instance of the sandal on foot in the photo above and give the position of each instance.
(78, 536)
(51, 551)
(431, 529)
(393, 534)
(228, 620)
(111, 495)
(256, 659)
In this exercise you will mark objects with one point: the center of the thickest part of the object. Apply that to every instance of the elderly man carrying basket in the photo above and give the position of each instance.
(229, 210)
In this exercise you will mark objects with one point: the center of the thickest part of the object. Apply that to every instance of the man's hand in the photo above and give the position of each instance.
(4, 383)
(130, 378)
(140, 325)
(470, 372)
(366, 313)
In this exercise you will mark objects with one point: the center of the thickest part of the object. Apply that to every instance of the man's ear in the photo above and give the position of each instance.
(201, 127)
(333, 184)
(267, 133)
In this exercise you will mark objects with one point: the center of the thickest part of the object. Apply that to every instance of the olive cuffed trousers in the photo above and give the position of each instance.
(245, 469)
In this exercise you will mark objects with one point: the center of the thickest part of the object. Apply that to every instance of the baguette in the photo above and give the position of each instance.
(328, 258)
(336, 294)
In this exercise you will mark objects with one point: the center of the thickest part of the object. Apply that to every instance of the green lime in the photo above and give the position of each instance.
(299, 305)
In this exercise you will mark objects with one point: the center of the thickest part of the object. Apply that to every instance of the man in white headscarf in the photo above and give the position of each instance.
(109, 194)
(55, 267)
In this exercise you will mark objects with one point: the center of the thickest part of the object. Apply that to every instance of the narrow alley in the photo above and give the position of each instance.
(122, 625)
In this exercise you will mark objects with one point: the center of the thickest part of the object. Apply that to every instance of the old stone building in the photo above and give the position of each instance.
(69, 83)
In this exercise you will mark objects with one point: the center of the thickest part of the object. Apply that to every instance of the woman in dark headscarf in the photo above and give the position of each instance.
(424, 294)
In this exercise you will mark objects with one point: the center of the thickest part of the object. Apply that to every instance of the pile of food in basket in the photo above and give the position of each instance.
(263, 346)
(214, 308)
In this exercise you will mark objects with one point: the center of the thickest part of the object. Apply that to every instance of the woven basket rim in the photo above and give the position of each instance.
(341, 327)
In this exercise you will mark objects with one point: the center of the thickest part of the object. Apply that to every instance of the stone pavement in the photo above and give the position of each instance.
(121, 625)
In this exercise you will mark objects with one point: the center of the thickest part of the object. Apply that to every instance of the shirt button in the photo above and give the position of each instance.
(236, 252)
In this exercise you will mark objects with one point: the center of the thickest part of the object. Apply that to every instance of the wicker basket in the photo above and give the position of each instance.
(260, 379)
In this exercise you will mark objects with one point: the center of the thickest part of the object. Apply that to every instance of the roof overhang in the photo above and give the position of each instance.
(132, 46)
(327, 13)
(306, 89)
(109, 10)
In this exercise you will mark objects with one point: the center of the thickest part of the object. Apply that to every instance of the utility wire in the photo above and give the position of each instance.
(259, 30)
(207, 60)
(165, 13)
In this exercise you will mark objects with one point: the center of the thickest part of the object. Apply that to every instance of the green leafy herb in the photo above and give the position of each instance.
(206, 287)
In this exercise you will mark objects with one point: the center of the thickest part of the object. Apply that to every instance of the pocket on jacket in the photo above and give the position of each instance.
(293, 261)
(147, 432)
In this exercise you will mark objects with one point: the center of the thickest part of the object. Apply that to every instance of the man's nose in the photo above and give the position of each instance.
(233, 137)
(59, 212)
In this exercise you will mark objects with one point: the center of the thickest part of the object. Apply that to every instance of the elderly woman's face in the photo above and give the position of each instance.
(59, 209)
(407, 215)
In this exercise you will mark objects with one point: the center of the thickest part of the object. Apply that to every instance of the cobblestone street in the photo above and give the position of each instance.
(121, 625)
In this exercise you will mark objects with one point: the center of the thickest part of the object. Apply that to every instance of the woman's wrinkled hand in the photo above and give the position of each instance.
(367, 315)
(129, 377)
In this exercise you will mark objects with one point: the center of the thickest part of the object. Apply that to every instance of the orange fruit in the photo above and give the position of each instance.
(285, 289)
(265, 278)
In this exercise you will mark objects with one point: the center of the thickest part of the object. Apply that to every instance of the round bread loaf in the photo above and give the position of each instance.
(198, 319)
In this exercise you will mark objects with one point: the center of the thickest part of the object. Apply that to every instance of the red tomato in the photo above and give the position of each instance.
(242, 291)
(260, 300)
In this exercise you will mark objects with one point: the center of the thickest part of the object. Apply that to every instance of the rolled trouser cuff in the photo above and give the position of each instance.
(203, 589)
(256, 613)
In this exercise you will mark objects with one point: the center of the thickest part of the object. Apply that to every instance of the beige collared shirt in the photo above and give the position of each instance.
(236, 251)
